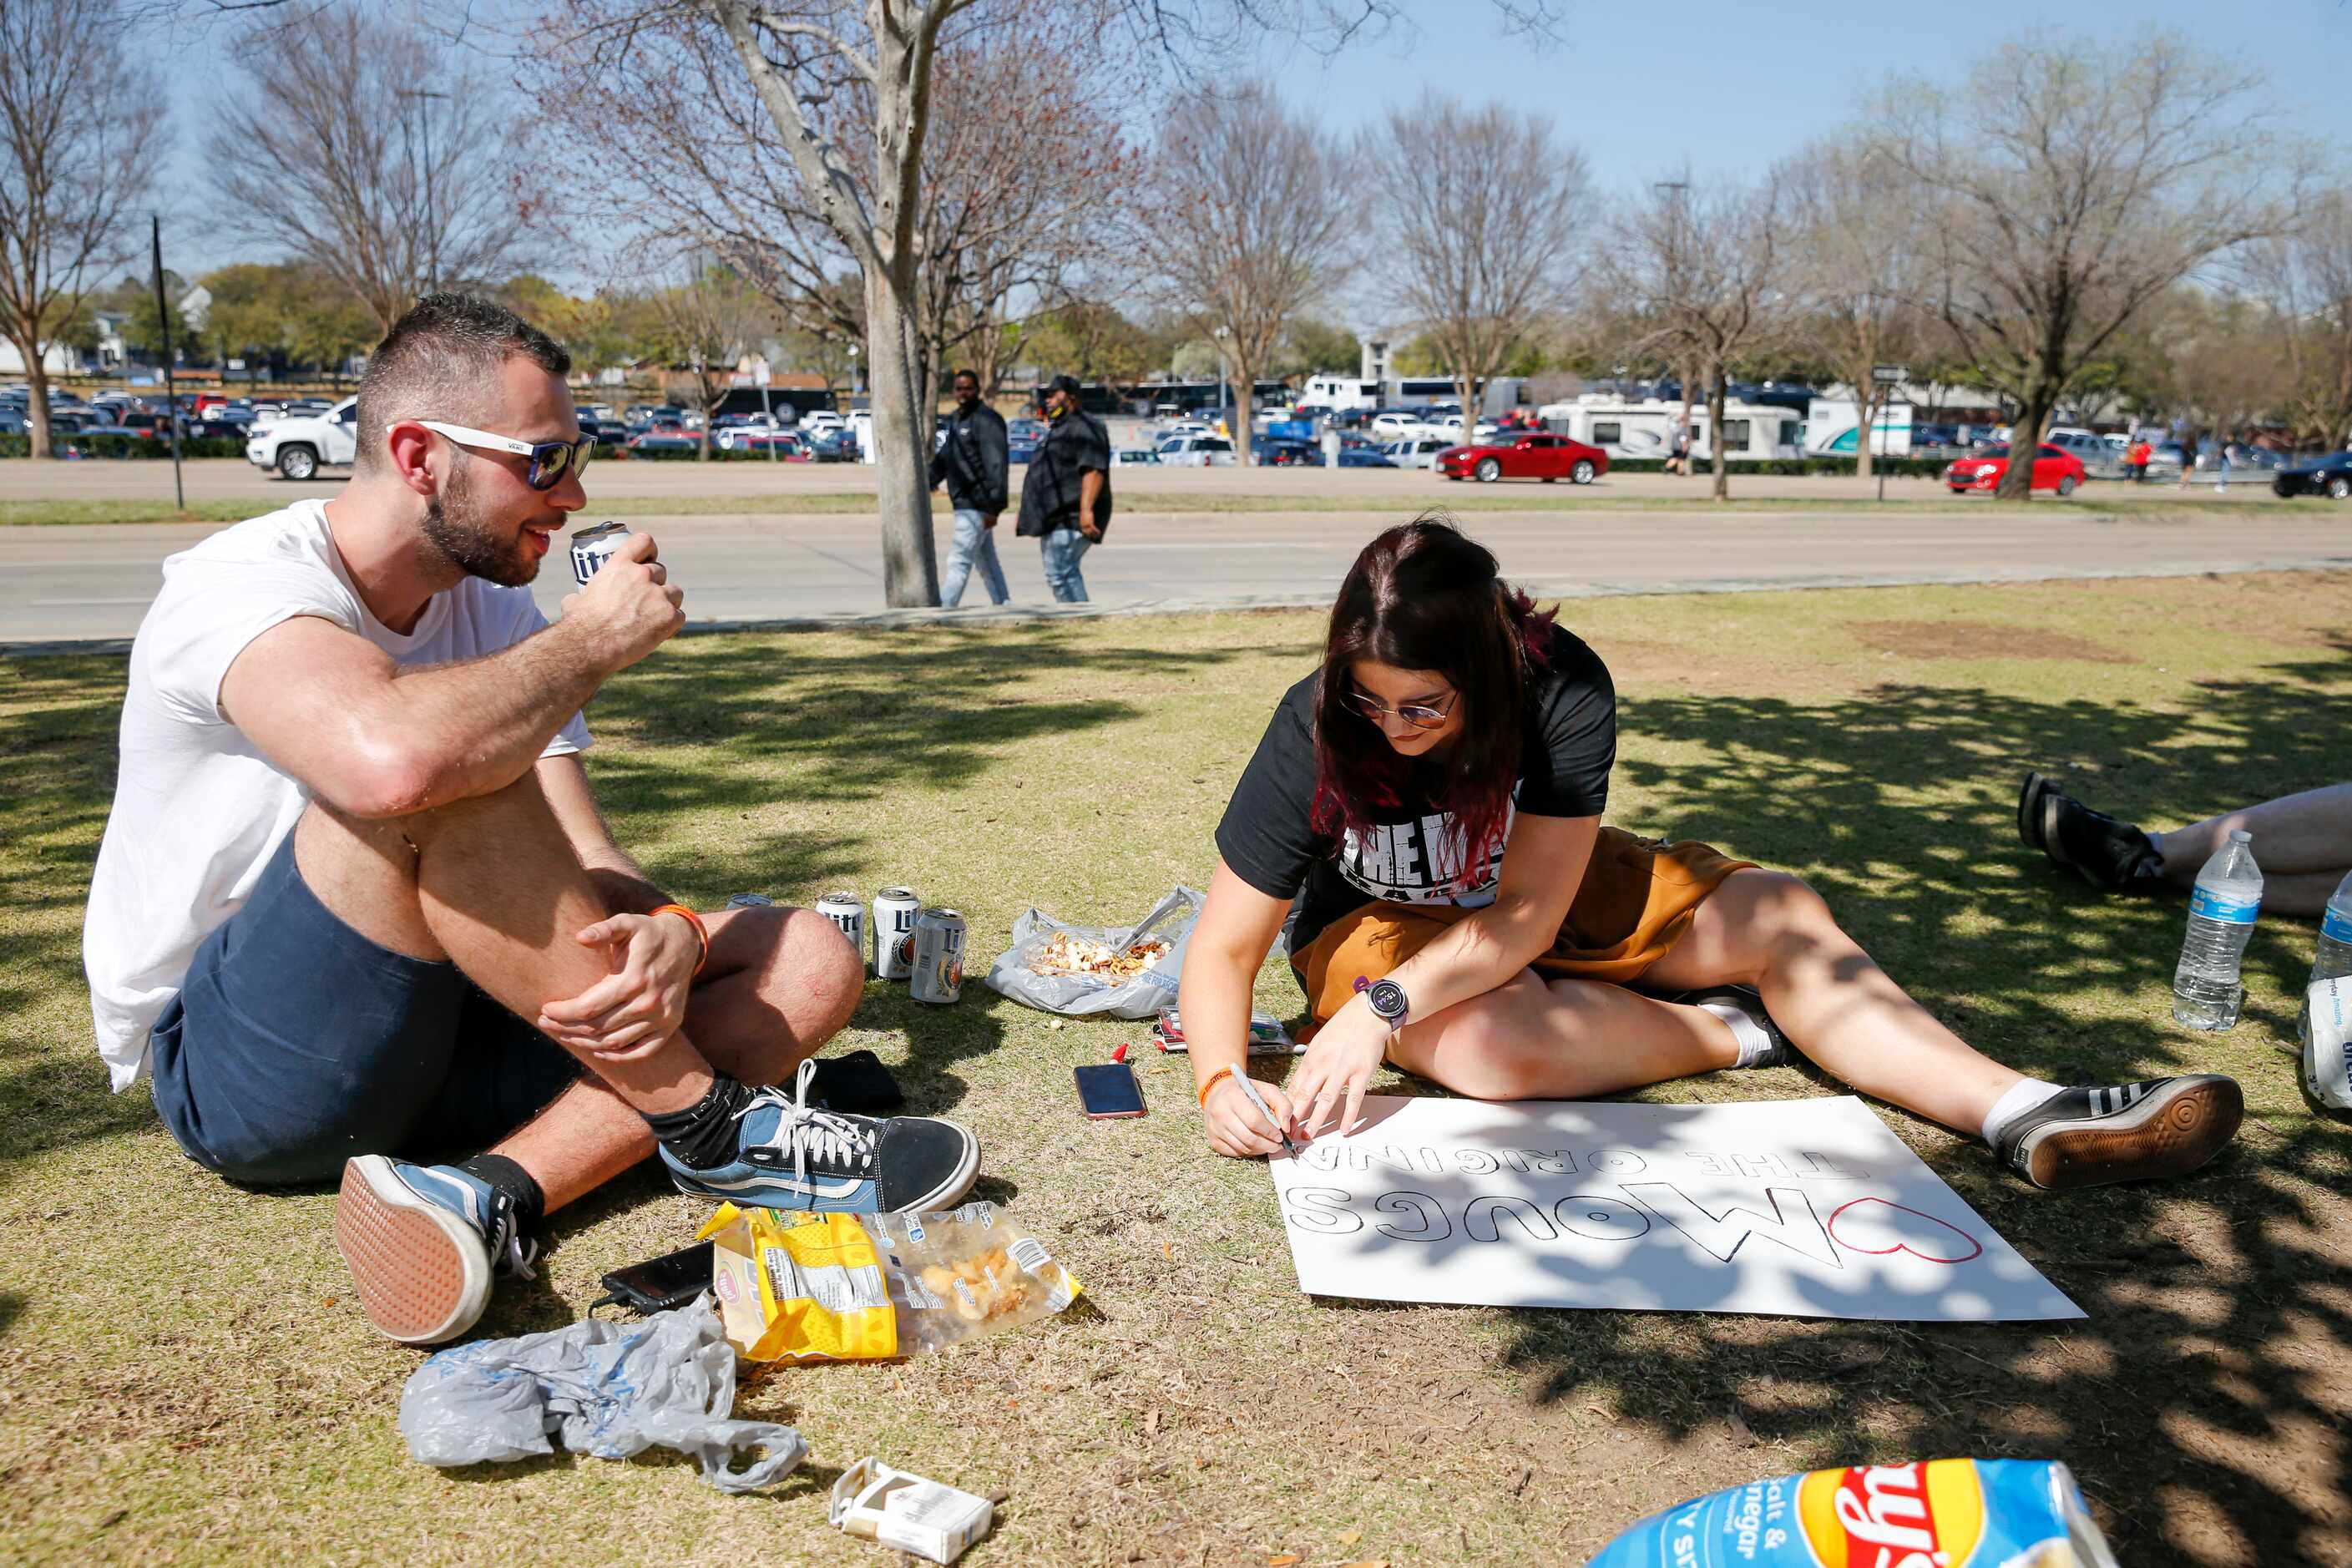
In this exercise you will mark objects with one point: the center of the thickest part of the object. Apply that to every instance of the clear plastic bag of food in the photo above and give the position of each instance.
(1128, 972)
(807, 1287)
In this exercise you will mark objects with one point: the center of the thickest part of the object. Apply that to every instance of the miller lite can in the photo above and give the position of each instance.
(592, 547)
(939, 957)
(847, 913)
(894, 932)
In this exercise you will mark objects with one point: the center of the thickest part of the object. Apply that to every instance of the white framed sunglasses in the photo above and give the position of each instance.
(549, 460)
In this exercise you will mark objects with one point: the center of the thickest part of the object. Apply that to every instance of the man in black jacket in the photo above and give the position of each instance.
(1065, 499)
(971, 462)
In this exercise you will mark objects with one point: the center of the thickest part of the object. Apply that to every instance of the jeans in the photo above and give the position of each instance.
(1061, 551)
(974, 542)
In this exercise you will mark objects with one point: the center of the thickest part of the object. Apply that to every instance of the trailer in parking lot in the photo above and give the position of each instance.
(1627, 428)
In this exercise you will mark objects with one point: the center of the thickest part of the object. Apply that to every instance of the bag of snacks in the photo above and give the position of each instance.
(1944, 1513)
(1128, 972)
(837, 1286)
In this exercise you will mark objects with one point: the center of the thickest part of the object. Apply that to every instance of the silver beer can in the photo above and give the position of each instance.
(894, 932)
(592, 547)
(939, 957)
(846, 910)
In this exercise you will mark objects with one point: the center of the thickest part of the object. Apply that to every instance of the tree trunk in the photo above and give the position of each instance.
(902, 450)
(2025, 440)
(1718, 396)
(36, 402)
(1690, 379)
(1866, 398)
(1244, 385)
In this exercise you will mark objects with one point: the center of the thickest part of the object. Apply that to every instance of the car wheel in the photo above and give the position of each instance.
(2340, 487)
(2065, 484)
(1489, 470)
(297, 462)
(1582, 473)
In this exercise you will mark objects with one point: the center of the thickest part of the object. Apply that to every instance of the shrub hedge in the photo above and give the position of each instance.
(132, 447)
(1895, 467)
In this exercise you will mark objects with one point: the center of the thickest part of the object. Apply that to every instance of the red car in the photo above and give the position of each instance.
(1530, 454)
(2054, 468)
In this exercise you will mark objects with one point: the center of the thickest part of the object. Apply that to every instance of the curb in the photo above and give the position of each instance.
(1540, 587)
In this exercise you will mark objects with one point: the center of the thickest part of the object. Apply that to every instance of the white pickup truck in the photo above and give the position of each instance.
(297, 449)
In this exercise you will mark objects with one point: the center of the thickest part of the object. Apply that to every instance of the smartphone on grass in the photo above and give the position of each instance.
(660, 1283)
(1108, 1090)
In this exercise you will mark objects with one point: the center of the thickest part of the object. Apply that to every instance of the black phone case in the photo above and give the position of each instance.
(660, 1283)
(1112, 1107)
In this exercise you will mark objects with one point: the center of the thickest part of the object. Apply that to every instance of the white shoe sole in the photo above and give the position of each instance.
(422, 1273)
(2172, 1131)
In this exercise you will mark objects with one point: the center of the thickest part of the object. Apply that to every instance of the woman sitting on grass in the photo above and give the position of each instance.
(1432, 798)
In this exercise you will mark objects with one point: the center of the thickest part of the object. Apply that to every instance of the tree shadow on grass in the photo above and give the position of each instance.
(2195, 1401)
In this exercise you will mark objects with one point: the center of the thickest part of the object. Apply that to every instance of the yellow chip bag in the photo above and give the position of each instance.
(806, 1286)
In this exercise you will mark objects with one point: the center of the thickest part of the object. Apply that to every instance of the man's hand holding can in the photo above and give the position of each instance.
(628, 605)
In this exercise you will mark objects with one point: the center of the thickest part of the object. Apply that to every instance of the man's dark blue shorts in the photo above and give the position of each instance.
(296, 1043)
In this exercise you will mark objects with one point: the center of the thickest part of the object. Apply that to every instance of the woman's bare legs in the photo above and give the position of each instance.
(1533, 1038)
(2303, 843)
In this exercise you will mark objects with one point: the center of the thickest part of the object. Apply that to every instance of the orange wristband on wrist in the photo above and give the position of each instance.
(702, 932)
(1215, 1079)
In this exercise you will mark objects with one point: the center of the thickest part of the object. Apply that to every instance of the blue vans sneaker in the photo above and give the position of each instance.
(422, 1242)
(789, 1156)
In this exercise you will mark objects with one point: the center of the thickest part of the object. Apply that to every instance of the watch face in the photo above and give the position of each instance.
(1387, 998)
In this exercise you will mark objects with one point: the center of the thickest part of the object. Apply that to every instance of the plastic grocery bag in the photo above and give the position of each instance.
(835, 1287)
(2327, 1053)
(1134, 983)
(607, 1389)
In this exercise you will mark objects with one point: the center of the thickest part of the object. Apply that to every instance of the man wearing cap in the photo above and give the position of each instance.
(1065, 499)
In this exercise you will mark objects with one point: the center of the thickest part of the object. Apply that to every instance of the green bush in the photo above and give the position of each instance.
(640, 455)
(1893, 468)
(132, 447)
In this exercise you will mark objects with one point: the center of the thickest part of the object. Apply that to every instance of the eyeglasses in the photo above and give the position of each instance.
(549, 460)
(1419, 715)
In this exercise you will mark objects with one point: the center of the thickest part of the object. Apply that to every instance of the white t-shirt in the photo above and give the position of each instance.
(198, 810)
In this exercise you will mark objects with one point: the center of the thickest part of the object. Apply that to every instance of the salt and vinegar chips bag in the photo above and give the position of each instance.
(812, 1287)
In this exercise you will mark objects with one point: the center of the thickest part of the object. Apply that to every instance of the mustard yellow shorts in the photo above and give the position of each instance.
(1636, 900)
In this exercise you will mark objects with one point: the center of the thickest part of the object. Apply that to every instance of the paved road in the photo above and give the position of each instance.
(95, 582)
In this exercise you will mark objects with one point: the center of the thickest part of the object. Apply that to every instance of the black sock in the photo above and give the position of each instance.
(703, 1134)
(517, 1184)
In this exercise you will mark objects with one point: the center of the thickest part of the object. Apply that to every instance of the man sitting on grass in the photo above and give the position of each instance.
(355, 899)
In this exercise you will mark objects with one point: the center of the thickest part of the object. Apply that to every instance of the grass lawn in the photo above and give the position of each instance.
(2091, 505)
(183, 1377)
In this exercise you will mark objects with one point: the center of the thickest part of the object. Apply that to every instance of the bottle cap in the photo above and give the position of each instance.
(2239, 836)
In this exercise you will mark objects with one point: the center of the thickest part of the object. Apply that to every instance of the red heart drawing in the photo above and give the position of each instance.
(1921, 1235)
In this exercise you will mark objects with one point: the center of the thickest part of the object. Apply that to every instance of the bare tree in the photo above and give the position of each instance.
(1856, 249)
(2307, 276)
(1486, 212)
(1248, 222)
(386, 161)
(708, 319)
(2071, 185)
(78, 124)
(1704, 268)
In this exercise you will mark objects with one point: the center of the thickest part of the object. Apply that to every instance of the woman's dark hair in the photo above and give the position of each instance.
(1425, 597)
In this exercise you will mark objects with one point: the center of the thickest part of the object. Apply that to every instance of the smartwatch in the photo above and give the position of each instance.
(1388, 1002)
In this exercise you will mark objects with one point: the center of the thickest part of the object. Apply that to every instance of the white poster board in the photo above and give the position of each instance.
(1803, 1208)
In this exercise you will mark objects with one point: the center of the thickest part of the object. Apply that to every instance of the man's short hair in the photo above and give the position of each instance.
(970, 376)
(438, 358)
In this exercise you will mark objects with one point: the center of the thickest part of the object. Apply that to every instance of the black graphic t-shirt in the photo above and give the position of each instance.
(1413, 853)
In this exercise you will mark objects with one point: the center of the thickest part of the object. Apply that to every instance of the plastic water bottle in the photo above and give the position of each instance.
(2335, 956)
(2205, 989)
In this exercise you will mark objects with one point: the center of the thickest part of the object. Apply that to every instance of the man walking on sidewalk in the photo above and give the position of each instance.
(972, 462)
(356, 908)
(1065, 499)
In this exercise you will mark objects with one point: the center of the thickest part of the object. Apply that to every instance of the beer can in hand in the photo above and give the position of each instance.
(846, 910)
(592, 547)
(939, 957)
(894, 932)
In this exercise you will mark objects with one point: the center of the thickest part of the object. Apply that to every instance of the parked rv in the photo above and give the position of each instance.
(1625, 428)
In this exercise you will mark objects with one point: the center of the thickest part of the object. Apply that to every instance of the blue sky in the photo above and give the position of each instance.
(1641, 88)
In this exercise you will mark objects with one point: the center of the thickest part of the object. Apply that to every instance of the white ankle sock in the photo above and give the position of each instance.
(1753, 1039)
(2023, 1096)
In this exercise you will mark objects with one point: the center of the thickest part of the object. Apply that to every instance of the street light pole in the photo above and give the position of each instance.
(432, 213)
